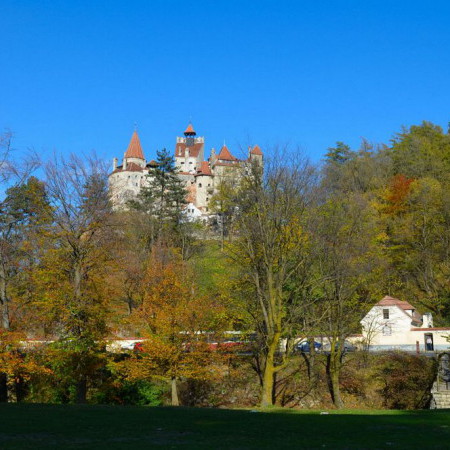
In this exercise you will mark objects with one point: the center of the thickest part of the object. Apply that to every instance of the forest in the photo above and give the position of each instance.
(297, 250)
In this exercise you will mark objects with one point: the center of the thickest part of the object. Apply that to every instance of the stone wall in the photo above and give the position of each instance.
(441, 395)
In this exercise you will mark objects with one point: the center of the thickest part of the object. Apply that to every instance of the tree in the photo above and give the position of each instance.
(347, 266)
(18, 210)
(223, 203)
(416, 217)
(73, 301)
(418, 242)
(162, 204)
(25, 210)
(164, 197)
(175, 321)
(422, 151)
(271, 249)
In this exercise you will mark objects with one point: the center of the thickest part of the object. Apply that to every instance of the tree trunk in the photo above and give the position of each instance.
(81, 390)
(311, 363)
(4, 300)
(20, 389)
(268, 385)
(222, 234)
(175, 400)
(333, 374)
(3, 387)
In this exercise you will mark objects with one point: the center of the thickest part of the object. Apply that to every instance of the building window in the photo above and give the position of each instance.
(199, 184)
(190, 162)
(182, 162)
(387, 330)
(385, 314)
(207, 199)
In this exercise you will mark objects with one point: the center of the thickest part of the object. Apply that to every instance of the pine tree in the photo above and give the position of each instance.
(165, 195)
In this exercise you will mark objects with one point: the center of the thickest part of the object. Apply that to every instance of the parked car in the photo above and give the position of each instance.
(304, 346)
(348, 347)
(138, 347)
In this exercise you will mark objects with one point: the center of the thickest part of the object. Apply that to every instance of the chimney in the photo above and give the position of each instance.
(114, 163)
(427, 320)
(124, 163)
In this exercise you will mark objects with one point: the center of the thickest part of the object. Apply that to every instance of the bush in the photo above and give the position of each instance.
(405, 380)
(123, 392)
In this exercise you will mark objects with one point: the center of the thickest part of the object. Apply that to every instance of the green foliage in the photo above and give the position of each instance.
(165, 195)
(422, 151)
(124, 392)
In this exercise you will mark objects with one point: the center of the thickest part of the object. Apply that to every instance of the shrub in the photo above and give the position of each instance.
(405, 380)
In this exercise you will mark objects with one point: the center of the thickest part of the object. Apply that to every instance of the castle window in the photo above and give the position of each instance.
(199, 184)
(190, 162)
(206, 209)
(385, 314)
(207, 198)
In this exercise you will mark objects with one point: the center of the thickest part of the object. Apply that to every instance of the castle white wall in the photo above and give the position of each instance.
(205, 190)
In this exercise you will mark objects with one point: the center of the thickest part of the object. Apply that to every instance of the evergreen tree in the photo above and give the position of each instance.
(165, 195)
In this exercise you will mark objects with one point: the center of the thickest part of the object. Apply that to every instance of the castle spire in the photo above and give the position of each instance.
(190, 130)
(134, 149)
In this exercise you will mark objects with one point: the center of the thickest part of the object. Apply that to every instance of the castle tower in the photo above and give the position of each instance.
(190, 135)
(189, 151)
(255, 154)
(126, 180)
(134, 153)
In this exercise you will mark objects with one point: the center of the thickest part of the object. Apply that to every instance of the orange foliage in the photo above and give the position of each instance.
(14, 361)
(397, 194)
(176, 322)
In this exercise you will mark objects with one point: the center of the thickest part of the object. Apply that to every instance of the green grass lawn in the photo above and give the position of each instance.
(32, 426)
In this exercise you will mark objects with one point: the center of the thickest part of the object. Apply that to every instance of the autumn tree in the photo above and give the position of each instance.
(347, 266)
(223, 203)
(415, 210)
(271, 248)
(17, 211)
(175, 320)
(73, 300)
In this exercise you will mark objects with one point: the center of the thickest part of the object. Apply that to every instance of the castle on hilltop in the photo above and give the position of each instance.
(201, 176)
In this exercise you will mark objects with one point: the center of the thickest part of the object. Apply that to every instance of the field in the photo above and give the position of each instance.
(32, 426)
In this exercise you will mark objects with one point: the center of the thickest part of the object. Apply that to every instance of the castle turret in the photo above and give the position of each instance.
(126, 180)
(189, 151)
(134, 153)
(256, 154)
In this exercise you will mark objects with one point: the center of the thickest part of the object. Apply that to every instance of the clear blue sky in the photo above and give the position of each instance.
(76, 75)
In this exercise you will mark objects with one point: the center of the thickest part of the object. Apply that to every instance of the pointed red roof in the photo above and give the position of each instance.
(204, 169)
(134, 149)
(225, 154)
(190, 130)
(256, 151)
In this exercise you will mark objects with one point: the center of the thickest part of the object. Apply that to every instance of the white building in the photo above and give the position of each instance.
(393, 324)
